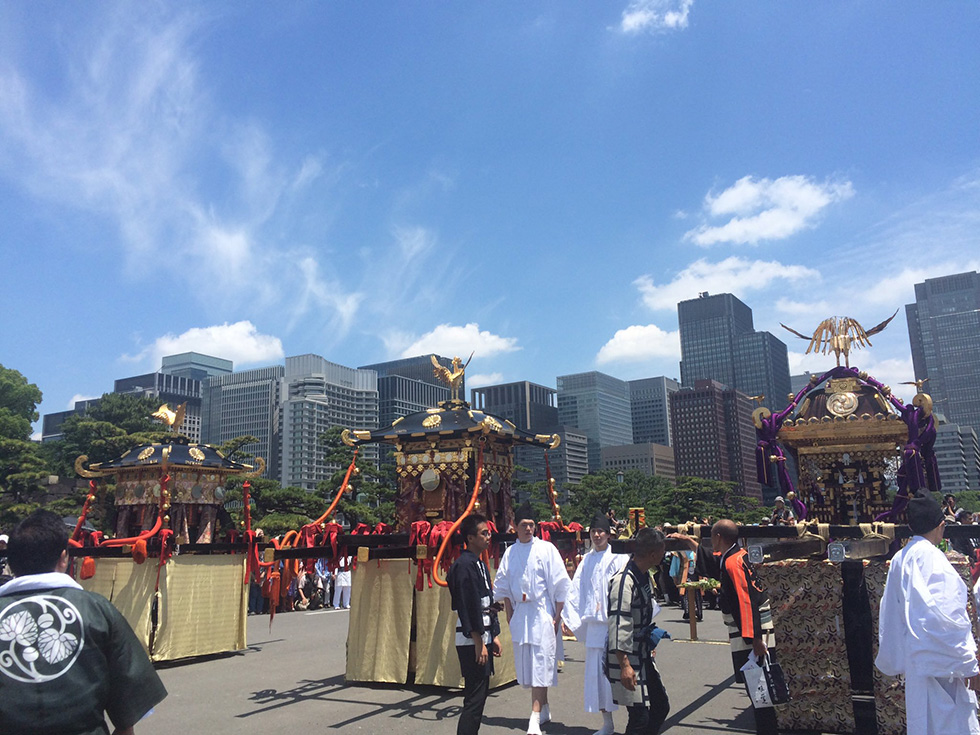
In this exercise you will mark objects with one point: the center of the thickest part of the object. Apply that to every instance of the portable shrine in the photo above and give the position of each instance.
(179, 601)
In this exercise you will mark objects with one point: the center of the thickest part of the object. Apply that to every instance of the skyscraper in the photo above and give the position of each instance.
(944, 333)
(599, 406)
(408, 386)
(178, 381)
(246, 403)
(528, 406)
(650, 409)
(958, 457)
(714, 436)
(718, 342)
(319, 395)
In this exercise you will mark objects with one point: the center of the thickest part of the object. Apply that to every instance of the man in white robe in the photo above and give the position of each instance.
(925, 633)
(533, 583)
(586, 613)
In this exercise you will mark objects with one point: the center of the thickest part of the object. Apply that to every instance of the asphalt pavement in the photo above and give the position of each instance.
(290, 679)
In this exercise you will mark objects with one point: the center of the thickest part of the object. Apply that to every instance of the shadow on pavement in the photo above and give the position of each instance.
(432, 702)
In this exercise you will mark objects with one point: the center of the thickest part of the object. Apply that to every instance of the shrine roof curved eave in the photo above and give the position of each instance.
(182, 456)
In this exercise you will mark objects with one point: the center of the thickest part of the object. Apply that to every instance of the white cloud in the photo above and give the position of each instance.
(732, 275)
(804, 308)
(766, 209)
(478, 380)
(451, 340)
(655, 16)
(640, 343)
(78, 397)
(240, 342)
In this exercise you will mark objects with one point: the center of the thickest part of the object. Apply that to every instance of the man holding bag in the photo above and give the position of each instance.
(745, 611)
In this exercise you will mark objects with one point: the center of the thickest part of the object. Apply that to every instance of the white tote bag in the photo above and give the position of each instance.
(755, 684)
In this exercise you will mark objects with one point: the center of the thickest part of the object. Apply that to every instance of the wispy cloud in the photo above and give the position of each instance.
(766, 209)
(655, 16)
(731, 275)
(640, 343)
(240, 342)
(451, 340)
(125, 143)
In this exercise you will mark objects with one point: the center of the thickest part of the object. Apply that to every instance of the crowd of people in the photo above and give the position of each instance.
(925, 628)
(609, 605)
(327, 586)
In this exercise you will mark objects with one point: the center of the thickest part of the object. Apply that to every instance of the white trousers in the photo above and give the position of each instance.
(341, 596)
(536, 665)
(598, 690)
(939, 706)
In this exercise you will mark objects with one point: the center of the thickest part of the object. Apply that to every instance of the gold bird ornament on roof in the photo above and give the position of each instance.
(173, 419)
(453, 378)
(839, 334)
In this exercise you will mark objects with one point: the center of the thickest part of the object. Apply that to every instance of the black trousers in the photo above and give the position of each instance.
(476, 686)
(765, 718)
(644, 721)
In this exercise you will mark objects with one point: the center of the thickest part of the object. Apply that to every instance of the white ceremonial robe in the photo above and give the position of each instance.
(924, 632)
(586, 613)
(533, 577)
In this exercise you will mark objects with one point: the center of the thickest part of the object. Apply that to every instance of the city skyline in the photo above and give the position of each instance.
(538, 184)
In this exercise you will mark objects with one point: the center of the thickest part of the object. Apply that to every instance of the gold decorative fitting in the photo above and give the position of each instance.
(145, 454)
(452, 377)
(398, 421)
(923, 401)
(489, 424)
(196, 454)
(431, 422)
(842, 403)
(258, 470)
(433, 410)
(80, 467)
(759, 415)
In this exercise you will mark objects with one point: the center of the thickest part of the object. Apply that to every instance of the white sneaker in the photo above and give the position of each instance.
(534, 724)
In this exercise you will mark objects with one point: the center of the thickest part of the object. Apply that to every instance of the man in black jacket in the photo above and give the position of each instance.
(477, 629)
(69, 657)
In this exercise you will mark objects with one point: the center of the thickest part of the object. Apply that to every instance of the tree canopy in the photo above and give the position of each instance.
(664, 502)
(22, 465)
(370, 497)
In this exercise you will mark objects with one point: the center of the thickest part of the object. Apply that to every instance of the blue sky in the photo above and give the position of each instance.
(539, 182)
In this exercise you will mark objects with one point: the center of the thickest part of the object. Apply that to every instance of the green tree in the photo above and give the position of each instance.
(599, 492)
(276, 509)
(118, 423)
(22, 465)
(696, 498)
(234, 449)
(370, 497)
(664, 502)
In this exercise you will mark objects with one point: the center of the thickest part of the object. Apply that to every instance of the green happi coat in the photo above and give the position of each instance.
(68, 658)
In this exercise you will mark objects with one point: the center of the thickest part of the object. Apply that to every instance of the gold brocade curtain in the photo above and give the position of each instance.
(380, 627)
(129, 587)
(203, 606)
(436, 661)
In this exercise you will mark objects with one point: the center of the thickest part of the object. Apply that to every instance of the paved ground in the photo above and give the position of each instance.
(292, 681)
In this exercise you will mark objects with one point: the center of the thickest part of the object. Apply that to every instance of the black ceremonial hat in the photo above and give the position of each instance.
(600, 522)
(923, 512)
(525, 512)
